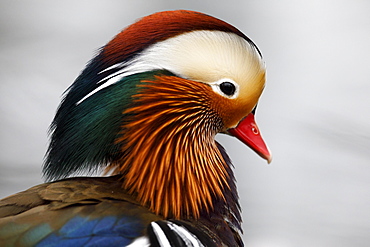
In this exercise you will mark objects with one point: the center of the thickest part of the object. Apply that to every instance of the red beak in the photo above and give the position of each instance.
(248, 132)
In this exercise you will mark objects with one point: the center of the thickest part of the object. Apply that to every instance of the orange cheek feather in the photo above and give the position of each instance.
(232, 111)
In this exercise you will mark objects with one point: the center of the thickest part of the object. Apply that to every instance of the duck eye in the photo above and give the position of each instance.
(227, 88)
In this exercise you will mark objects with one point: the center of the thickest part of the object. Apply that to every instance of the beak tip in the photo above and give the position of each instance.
(269, 159)
(267, 156)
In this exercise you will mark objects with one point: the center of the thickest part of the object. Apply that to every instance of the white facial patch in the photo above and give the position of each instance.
(204, 56)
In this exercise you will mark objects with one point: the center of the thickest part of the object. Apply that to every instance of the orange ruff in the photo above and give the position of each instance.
(170, 158)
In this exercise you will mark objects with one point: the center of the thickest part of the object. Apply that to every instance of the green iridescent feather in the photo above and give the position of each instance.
(83, 135)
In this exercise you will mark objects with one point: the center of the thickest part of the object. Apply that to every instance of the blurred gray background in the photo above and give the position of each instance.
(314, 113)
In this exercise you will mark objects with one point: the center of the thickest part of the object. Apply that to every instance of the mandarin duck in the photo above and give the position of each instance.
(146, 109)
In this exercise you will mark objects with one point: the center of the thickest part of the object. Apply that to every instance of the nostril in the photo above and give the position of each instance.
(255, 130)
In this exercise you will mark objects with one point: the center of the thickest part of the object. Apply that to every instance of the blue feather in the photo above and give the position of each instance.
(83, 231)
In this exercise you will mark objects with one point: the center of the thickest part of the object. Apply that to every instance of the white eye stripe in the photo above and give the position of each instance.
(208, 52)
(216, 87)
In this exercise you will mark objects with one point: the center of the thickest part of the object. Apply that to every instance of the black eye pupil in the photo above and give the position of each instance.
(227, 88)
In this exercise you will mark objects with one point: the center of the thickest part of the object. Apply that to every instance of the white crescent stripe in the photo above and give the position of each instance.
(189, 238)
(161, 236)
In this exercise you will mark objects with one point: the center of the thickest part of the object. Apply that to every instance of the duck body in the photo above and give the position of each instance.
(96, 212)
(147, 109)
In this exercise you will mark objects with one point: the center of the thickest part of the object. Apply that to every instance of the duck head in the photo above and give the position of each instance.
(149, 105)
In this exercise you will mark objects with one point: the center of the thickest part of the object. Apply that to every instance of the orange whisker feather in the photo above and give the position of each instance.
(169, 140)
